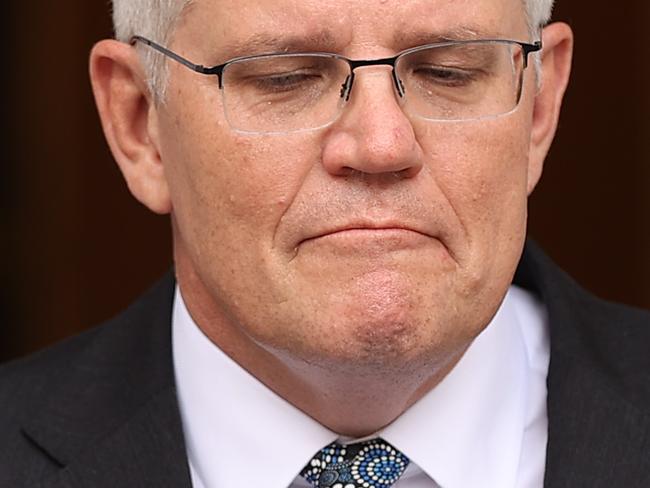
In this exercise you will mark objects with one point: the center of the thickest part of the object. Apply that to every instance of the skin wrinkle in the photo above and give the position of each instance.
(289, 203)
(326, 42)
(405, 207)
(463, 226)
(325, 213)
(271, 43)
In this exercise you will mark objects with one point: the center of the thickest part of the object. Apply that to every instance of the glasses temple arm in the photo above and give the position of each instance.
(199, 68)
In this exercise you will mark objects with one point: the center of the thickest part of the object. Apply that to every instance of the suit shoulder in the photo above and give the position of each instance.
(619, 337)
(91, 382)
(27, 377)
(91, 358)
(609, 339)
(25, 385)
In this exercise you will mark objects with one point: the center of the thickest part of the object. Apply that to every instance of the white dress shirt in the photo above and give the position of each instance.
(484, 425)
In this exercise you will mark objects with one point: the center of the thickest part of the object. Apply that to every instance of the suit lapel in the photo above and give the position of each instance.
(596, 437)
(598, 433)
(146, 451)
(110, 418)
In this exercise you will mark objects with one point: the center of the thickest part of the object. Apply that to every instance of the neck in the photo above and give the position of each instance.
(354, 400)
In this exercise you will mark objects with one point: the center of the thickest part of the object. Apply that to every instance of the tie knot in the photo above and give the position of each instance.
(369, 464)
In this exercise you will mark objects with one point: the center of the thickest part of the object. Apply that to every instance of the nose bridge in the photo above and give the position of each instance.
(379, 110)
(366, 63)
(381, 138)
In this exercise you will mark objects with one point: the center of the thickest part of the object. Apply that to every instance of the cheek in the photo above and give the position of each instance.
(259, 177)
(220, 179)
(481, 167)
(229, 191)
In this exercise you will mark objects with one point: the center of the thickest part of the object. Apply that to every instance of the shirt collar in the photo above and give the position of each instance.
(238, 432)
(476, 413)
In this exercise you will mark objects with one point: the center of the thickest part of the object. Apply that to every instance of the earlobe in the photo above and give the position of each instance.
(128, 117)
(555, 70)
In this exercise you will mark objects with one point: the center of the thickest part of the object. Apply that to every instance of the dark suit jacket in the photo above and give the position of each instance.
(100, 410)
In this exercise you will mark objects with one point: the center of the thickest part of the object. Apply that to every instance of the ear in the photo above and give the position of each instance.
(557, 41)
(129, 119)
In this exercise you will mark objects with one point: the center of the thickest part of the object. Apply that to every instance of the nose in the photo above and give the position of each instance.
(373, 134)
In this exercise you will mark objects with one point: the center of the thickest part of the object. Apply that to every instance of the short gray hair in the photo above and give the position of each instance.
(538, 13)
(156, 20)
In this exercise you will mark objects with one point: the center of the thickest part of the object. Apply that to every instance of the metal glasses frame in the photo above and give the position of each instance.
(217, 70)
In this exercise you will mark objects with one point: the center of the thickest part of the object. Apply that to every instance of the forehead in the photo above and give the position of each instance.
(231, 26)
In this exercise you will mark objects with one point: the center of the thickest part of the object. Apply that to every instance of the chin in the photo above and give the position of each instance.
(377, 335)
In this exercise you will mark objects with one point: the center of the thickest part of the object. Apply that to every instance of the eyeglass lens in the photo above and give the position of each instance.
(281, 93)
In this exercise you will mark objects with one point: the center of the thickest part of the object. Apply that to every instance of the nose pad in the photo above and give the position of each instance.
(375, 136)
(346, 87)
(399, 84)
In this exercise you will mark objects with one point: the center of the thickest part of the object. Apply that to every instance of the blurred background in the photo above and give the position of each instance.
(77, 248)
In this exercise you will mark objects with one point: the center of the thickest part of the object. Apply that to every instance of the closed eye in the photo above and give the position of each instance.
(444, 75)
(284, 82)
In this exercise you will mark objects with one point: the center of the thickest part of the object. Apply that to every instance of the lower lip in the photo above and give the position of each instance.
(385, 239)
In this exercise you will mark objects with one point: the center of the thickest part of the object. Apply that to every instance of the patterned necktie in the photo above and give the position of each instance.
(370, 464)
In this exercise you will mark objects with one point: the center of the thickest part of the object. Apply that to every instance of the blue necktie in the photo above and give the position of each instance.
(370, 464)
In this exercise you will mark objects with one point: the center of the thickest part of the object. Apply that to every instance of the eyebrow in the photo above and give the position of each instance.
(325, 41)
(262, 43)
(407, 40)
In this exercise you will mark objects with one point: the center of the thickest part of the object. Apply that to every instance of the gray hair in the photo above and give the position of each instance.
(538, 14)
(156, 20)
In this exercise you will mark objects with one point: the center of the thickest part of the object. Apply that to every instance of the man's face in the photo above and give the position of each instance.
(380, 239)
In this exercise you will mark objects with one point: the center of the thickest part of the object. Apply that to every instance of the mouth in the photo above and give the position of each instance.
(381, 237)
